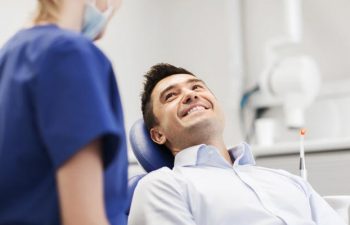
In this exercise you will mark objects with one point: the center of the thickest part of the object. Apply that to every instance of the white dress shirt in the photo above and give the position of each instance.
(204, 189)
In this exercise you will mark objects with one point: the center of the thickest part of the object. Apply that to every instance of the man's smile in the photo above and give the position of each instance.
(198, 107)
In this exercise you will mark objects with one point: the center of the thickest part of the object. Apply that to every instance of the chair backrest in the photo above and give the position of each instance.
(131, 188)
(150, 155)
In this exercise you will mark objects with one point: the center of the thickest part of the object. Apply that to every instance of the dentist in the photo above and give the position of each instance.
(62, 143)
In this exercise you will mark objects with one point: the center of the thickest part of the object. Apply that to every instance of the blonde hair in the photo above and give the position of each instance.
(47, 11)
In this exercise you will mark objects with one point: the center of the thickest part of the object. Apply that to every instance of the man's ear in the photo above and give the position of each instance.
(157, 136)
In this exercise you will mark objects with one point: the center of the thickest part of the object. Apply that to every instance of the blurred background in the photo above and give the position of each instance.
(275, 65)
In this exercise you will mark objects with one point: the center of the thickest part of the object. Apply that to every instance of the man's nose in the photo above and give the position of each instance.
(189, 97)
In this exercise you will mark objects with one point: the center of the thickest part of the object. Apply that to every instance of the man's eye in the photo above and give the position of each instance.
(169, 95)
(196, 86)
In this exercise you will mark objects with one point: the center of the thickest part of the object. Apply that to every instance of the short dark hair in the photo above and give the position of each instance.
(157, 73)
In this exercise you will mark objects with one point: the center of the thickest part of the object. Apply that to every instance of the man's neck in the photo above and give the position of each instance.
(222, 150)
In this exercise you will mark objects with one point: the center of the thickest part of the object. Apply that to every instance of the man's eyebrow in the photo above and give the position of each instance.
(193, 80)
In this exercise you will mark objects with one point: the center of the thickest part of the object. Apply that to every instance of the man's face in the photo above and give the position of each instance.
(185, 110)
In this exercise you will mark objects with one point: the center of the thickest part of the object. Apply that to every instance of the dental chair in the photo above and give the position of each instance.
(152, 156)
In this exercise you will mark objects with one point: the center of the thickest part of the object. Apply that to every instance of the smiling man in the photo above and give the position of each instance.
(186, 121)
(210, 184)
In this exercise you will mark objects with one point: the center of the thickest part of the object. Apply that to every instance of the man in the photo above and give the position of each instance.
(210, 185)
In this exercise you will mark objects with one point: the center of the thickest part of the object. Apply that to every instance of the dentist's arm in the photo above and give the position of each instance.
(158, 199)
(80, 187)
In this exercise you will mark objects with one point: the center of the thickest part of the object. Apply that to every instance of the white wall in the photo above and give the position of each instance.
(14, 14)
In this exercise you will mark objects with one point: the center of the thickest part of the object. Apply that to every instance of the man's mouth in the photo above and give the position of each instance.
(196, 108)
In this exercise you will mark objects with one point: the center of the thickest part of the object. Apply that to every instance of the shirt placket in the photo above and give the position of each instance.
(265, 202)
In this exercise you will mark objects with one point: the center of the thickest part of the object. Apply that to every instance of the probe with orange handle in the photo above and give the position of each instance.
(302, 167)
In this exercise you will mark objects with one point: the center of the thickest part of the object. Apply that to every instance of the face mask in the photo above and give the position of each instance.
(94, 20)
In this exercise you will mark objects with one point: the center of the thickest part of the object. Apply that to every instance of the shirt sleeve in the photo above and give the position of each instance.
(158, 199)
(72, 101)
(322, 213)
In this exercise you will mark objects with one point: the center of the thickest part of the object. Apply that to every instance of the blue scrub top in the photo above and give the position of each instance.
(57, 93)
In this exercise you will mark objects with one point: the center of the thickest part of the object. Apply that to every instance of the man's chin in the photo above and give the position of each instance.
(200, 131)
(200, 123)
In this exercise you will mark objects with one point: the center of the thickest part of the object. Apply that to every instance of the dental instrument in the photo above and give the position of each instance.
(302, 166)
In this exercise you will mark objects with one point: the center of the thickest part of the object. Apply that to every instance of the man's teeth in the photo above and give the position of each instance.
(195, 109)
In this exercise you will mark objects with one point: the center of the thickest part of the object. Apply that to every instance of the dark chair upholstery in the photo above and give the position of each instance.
(150, 155)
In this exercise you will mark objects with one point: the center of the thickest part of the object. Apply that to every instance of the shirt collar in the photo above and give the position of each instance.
(242, 154)
(188, 156)
(209, 155)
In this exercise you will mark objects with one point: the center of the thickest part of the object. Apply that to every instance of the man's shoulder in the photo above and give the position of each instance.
(160, 175)
(161, 182)
(160, 178)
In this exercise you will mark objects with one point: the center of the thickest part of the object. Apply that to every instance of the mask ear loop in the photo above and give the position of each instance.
(110, 8)
(108, 12)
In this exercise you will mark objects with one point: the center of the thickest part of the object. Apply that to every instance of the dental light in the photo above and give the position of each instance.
(292, 82)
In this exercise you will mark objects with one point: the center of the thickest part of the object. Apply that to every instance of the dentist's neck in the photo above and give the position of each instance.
(71, 15)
